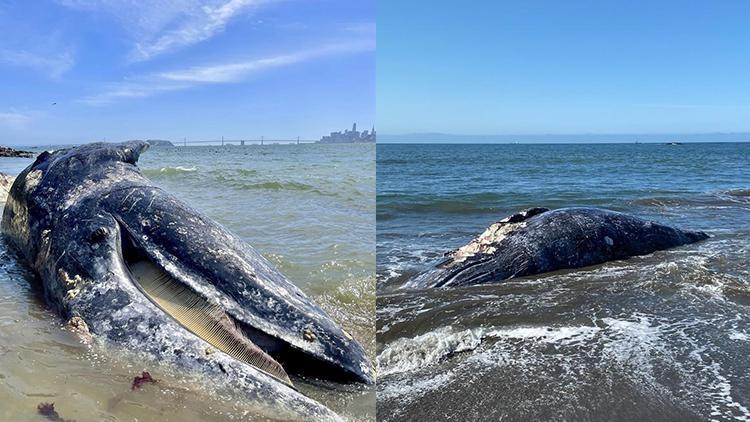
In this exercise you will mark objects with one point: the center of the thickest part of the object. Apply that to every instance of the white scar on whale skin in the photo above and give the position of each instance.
(486, 243)
(6, 181)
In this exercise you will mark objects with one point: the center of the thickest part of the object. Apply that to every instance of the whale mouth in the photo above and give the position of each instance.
(213, 324)
(200, 317)
(195, 313)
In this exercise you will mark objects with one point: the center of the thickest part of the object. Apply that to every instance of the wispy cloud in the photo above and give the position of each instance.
(14, 120)
(163, 26)
(130, 90)
(198, 28)
(52, 65)
(231, 72)
(237, 71)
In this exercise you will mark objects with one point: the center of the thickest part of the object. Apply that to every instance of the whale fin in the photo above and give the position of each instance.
(130, 152)
(523, 215)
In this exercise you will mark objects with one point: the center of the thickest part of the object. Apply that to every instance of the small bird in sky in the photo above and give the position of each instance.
(54, 103)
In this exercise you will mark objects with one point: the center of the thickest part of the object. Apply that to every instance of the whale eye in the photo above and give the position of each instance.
(99, 234)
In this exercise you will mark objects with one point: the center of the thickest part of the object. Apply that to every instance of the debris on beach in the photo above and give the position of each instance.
(144, 378)
(48, 411)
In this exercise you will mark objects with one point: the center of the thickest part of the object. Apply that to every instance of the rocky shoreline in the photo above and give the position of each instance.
(10, 152)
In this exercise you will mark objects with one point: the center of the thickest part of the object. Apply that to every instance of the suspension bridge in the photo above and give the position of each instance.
(242, 142)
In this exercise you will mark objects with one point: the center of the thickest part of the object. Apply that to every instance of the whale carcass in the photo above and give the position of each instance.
(140, 270)
(540, 240)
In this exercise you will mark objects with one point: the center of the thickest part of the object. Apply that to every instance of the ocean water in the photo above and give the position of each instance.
(309, 209)
(659, 337)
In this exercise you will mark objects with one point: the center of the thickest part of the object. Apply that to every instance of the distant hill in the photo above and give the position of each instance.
(159, 143)
(562, 138)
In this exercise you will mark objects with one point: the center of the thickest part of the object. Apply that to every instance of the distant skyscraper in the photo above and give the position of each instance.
(349, 136)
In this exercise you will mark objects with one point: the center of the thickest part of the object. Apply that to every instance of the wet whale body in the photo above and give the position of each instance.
(539, 240)
(135, 268)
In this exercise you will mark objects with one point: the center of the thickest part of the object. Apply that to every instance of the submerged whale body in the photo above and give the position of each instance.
(538, 240)
(129, 264)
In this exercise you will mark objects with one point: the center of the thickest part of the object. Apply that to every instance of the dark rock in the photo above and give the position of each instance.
(10, 152)
(48, 411)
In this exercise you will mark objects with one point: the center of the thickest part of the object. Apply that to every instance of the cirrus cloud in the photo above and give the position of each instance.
(14, 120)
(163, 26)
(53, 65)
(230, 72)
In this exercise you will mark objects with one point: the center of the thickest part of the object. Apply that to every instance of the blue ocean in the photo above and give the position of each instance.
(659, 337)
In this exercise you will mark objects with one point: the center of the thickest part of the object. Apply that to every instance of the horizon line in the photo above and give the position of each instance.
(574, 138)
(747, 132)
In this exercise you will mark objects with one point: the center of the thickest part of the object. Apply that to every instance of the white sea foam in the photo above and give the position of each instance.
(631, 345)
(724, 405)
(409, 391)
(178, 169)
(410, 354)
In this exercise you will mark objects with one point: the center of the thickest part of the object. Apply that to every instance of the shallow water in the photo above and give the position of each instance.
(660, 337)
(307, 208)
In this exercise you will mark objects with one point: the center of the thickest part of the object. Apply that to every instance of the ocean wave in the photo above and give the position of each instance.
(388, 209)
(170, 171)
(391, 205)
(741, 196)
(635, 348)
(231, 173)
(410, 354)
(738, 192)
(387, 161)
(710, 199)
(277, 186)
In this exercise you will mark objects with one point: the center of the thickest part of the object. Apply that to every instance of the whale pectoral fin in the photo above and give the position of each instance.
(130, 152)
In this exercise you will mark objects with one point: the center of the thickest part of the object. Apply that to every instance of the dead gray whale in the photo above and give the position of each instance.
(138, 269)
(538, 240)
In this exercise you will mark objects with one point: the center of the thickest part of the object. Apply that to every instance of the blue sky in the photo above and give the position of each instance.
(535, 67)
(168, 69)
